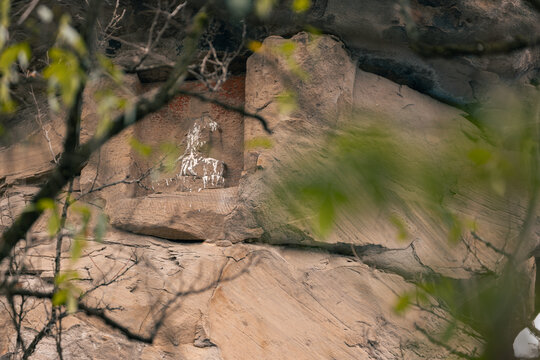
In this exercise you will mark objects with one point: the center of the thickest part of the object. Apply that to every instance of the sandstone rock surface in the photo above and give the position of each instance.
(239, 302)
(389, 29)
(293, 294)
(417, 118)
(381, 33)
(181, 216)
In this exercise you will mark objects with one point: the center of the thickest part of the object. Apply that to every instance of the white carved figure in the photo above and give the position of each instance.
(197, 171)
(527, 344)
(193, 161)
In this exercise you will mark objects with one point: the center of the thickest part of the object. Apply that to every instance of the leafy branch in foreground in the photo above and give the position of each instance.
(72, 162)
(373, 169)
(71, 63)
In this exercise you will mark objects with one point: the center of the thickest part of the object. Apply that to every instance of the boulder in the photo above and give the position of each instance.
(179, 216)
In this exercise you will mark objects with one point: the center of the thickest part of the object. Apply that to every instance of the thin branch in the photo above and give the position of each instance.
(490, 245)
(220, 67)
(17, 321)
(41, 334)
(112, 26)
(28, 11)
(71, 164)
(230, 107)
(42, 127)
(114, 183)
(122, 272)
(444, 345)
(471, 250)
(58, 339)
(150, 45)
(60, 234)
(101, 313)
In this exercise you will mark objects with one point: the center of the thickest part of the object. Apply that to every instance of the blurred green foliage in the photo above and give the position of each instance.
(369, 167)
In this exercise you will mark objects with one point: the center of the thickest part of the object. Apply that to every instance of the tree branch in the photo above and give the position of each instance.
(150, 45)
(226, 106)
(100, 313)
(71, 164)
(444, 345)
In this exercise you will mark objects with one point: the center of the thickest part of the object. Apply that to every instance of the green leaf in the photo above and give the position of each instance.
(77, 247)
(143, 149)
(53, 225)
(239, 8)
(259, 142)
(71, 303)
(313, 30)
(449, 331)
(130, 113)
(403, 303)
(45, 14)
(301, 6)
(60, 297)
(498, 184)
(286, 102)
(17, 52)
(109, 68)
(287, 48)
(479, 156)
(400, 226)
(326, 216)
(254, 46)
(263, 8)
(4, 12)
(61, 278)
(84, 211)
(64, 74)
(422, 297)
(46, 204)
(69, 35)
(101, 227)
(20, 51)
(454, 225)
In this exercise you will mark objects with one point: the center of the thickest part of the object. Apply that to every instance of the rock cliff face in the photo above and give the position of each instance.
(245, 282)
(417, 118)
(380, 35)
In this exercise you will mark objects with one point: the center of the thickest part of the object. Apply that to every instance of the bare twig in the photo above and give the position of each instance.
(126, 181)
(444, 345)
(490, 245)
(28, 11)
(41, 334)
(101, 313)
(153, 42)
(213, 71)
(42, 127)
(134, 261)
(226, 106)
(71, 163)
(113, 24)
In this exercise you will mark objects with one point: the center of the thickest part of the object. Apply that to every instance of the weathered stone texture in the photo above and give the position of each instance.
(256, 301)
